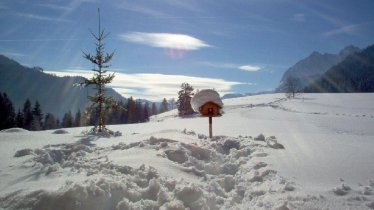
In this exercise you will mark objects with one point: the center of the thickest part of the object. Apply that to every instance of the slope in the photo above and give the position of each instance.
(315, 153)
(57, 95)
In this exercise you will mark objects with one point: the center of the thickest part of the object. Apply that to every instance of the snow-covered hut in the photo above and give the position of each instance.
(207, 102)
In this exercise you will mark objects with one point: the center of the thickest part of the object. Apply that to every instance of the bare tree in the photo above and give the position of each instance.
(292, 86)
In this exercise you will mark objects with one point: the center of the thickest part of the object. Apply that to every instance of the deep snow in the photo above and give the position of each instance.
(269, 152)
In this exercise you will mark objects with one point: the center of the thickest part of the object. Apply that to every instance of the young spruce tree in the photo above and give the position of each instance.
(100, 102)
(184, 100)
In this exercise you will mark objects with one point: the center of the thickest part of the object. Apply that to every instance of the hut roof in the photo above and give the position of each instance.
(204, 96)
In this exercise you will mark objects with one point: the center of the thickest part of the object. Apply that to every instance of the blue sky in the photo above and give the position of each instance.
(237, 46)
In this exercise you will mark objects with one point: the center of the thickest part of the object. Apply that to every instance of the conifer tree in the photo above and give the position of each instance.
(131, 107)
(67, 120)
(154, 109)
(116, 115)
(50, 122)
(164, 106)
(27, 115)
(139, 111)
(100, 102)
(19, 119)
(146, 112)
(124, 114)
(184, 100)
(7, 114)
(77, 119)
(93, 115)
(37, 117)
(172, 103)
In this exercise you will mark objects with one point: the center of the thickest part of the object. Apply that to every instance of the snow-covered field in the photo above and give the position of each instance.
(313, 152)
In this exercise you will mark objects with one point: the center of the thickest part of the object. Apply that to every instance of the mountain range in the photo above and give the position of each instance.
(354, 74)
(57, 95)
(350, 70)
(311, 68)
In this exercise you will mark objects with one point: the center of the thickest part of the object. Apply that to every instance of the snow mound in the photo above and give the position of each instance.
(228, 173)
(223, 166)
(260, 137)
(341, 190)
(99, 193)
(23, 152)
(273, 143)
(60, 131)
(105, 132)
(14, 130)
(204, 96)
(282, 207)
(371, 205)
(178, 156)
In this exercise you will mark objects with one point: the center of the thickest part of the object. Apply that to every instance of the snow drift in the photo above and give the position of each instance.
(313, 152)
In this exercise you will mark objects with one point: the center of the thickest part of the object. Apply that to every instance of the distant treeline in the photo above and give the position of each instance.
(31, 117)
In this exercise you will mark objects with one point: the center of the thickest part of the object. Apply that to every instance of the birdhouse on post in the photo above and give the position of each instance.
(210, 109)
(209, 104)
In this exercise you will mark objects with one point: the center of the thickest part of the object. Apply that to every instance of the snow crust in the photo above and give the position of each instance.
(204, 96)
(268, 152)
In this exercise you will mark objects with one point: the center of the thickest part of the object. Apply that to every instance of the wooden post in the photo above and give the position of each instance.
(210, 127)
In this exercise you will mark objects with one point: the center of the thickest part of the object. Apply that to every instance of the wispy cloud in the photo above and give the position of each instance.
(66, 7)
(219, 65)
(332, 20)
(165, 40)
(3, 6)
(150, 10)
(141, 9)
(340, 26)
(40, 40)
(347, 29)
(12, 54)
(250, 68)
(55, 6)
(155, 86)
(192, 6)
(299, 17)
(39, 17)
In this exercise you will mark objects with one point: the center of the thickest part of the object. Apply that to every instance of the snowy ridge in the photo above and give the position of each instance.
(310, 156)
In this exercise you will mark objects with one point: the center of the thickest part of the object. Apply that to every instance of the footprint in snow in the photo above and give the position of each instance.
(289, 186)
(260, 165)
(341, 190)
(370, 205)
(261, 154)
